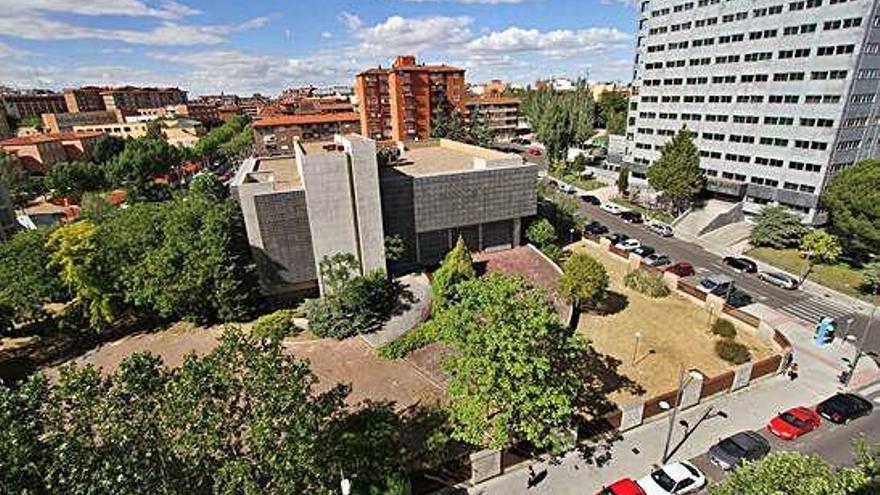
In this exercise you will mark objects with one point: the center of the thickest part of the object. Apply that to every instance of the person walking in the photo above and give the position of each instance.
(793, 371)
(535, 478)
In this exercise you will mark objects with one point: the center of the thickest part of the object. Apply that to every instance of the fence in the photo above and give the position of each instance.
(747, 318)
(766, 366)
(717, 384)
(623, 253)
(691, 290)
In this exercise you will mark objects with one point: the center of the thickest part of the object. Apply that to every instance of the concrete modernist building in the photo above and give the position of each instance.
(398, 103)
(179, 132)
(334, 198)
(781, 95)
(277, 134)
(85, 99)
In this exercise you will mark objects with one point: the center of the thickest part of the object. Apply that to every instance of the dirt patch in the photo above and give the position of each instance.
(673, 332)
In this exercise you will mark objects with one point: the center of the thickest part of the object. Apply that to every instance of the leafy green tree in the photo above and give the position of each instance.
(791, 473)
(107, 147)
(394, 248)
(277, 325)
(362, 305)
(516, 372)
(616, 123)
(541, 233)
(853, 203)
(777, 227)
(560, 119)
(871, 278)
(209, 186)
(478, 131)
(74, 179)
(584, 281)
(27, 282)
(238, 145)
(457, 267)
(819, 246)
(337, 270)
(623, 179)
(155, 131)
(245, 418)
(95, 206)
(139, 164)
(609, 105)
(677, 172)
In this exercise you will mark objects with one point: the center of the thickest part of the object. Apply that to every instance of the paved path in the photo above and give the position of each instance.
(416, 310)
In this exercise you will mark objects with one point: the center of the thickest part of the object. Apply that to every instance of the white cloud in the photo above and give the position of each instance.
(134, 8)
(559, 43)
(326, 35)
(490, 2)
(411, 35)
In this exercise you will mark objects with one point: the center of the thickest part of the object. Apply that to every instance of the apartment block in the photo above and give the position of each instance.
(205, 113)
(64, 122)
(399, 103)
(36, 154)
(20, 106)
(132, 98)
(179, 132)
(273, 135)
(333, 197)
(780, 95)
(501, 114)
(85, 99)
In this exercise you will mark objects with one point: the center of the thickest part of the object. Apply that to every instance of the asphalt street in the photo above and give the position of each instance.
(795, 303)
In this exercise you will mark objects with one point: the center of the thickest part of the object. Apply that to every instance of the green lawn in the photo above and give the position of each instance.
(585, 184)
(644, 210)
(840, 277)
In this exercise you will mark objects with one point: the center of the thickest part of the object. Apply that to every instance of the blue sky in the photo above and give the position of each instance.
(266, 45)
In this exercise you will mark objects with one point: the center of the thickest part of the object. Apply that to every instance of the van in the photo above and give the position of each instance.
(719, 285)
(660, 229)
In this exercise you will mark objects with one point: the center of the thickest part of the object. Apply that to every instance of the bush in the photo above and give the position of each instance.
(732, 352)
(277, 325)
(404, 345)
(646, 283)
(552, 251)
(360, 306)
(724, 329)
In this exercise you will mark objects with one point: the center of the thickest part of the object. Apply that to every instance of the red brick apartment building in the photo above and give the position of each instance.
(274, 135)
(398, 103)
(36, 154)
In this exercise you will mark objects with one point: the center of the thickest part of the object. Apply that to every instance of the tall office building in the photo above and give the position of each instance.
(399, 103)
(780, 95)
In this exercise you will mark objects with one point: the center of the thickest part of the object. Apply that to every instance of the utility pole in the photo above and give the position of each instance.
(681, 385)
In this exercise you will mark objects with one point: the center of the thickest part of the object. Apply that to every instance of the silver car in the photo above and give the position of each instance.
(779, 279)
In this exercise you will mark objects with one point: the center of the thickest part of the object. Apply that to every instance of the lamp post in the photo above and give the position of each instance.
(638, 336)
(665, 406)
(859, 348)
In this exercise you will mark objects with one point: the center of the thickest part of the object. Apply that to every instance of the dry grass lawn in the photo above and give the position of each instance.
(675, 328)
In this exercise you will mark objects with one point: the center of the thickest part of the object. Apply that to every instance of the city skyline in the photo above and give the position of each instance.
(267, 46)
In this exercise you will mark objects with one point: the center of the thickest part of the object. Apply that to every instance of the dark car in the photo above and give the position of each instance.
(643, 250)
(742, 446)
(595, 228)
(616, 238)
(682, 269)
(590, 199)
(741, 264)
(843, 408)
(738, 299)
(632, 217)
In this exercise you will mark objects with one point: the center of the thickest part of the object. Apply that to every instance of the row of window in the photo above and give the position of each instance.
(810, 99)
(766, 141)
(754, 35)
(831, 25)
(776, 9)
(753, 78)
(755, 57)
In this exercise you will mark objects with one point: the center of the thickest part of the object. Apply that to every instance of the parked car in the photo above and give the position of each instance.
(611, 208)
(676, 478)
(719, 285)
(843, 408)
(741, 264)
(660, 229)
(656, 259)
(631, 217)
(625, 486)
(534, 151)
(793, 423)
(521, 141)
(595, 228)
(630, 245)
(616, 238)
(682, 269)
(738, 298)
(565, 187)
(743, 446)
(643, 250)
(591, 200)
(779, 279)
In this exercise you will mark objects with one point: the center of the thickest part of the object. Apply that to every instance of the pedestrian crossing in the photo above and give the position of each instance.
(813, 309)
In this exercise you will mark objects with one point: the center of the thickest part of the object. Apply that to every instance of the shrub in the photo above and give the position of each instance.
(646, 283)
(277, 325)
(416, 339)
(360, 306)
(724, 329)
(584, 280)
(732, 352)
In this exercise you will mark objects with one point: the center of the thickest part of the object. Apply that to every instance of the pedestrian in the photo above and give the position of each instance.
(535, 478)
(793, 371)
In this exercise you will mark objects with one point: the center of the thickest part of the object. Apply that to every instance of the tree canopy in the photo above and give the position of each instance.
(623, 179)
(584, 280)
(244, 419)
(74, 179)
(560, 120)
(107, 147)
(677, 173)
(778, 228)
(136, 167)
(853, 203)
(457, 267)
(27, 282)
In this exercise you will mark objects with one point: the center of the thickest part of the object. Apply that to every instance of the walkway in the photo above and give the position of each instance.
(416, 307)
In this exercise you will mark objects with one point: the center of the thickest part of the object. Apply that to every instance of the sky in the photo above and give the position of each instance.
(246, 46)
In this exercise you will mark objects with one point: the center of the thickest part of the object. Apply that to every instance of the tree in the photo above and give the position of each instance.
(516, 372)
(210, 146)
(616, 123)
(819, 246)
(478, 131)
(777, 228)
(246, 418)
(456, 268)
(871, 278)
(623, 179)
(154, 131)
(395, 248)
(610, 104)
(584, 280)
(560, 119)
(107, 147)
(95, 206)
(677, 172)
(238, 145)
(74, 179)
(362, 305)
(209, 186)
(27, 283)
(139, 164)
(446, 123)
(541, 233)
(853, 203)
(791, 473)
(337, 270)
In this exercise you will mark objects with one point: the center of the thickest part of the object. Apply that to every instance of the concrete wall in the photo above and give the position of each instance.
(368, 206)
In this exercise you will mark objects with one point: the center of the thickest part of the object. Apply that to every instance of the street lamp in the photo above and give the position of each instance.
(638, 336)
(859, 349)
(683, 382)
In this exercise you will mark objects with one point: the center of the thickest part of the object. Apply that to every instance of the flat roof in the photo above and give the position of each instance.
(318, 118)
(283, 170)
(436, 157)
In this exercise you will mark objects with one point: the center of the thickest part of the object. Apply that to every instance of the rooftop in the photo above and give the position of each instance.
(282, 169)
(320, 118)
(48, 138)
(439, 156)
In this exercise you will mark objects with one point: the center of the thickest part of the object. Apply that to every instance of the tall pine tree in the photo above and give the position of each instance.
(676, 173)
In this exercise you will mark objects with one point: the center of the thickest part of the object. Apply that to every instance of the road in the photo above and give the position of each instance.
(830, 441)
(795, 303)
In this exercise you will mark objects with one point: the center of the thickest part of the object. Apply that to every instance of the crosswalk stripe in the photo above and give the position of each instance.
(814, 309)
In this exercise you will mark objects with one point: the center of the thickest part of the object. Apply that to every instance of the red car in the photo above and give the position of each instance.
(682, 269)
(794, 423)
(625, 486)
(534, 151)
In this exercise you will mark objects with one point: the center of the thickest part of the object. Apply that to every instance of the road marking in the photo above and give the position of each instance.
(870, 389)
(877, 400)
(812, 309)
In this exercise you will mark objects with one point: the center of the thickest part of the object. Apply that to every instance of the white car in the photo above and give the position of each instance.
(677, 478)
(611, 208)
(629, 245)
(566, 188)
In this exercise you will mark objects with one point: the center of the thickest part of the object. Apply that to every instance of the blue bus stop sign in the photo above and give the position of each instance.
(824, 332)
